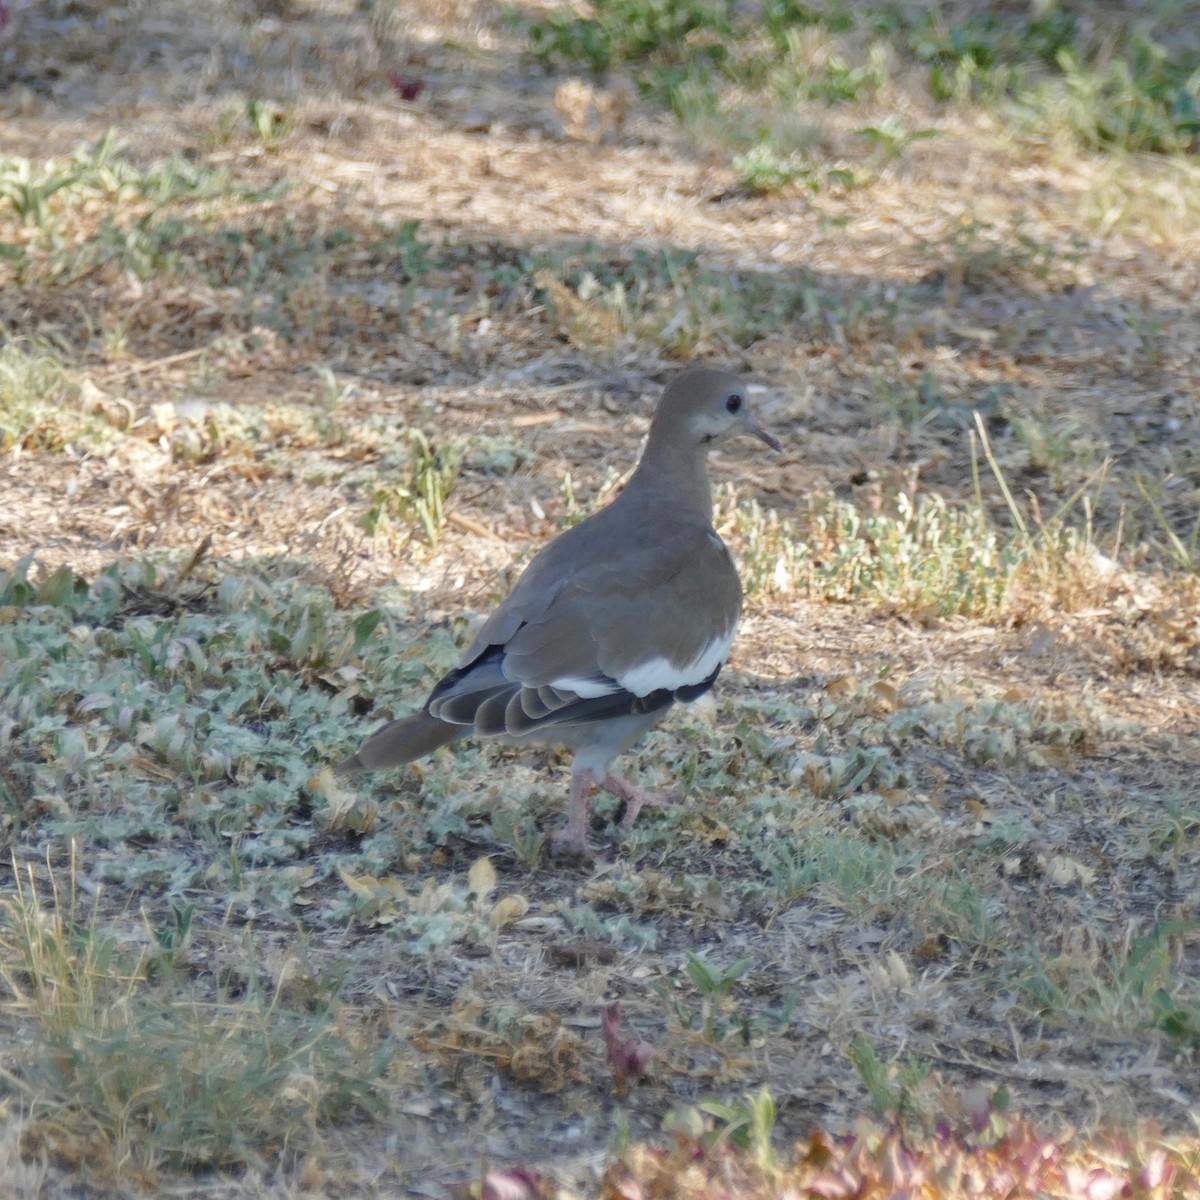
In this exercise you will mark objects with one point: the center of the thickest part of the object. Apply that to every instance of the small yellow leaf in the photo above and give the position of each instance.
(324, 783)
(360, 885)
(1050, 756)
(507, 910)
(482, 877)
(1063, 871)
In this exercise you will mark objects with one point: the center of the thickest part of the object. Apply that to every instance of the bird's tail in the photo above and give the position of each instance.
(400, 742)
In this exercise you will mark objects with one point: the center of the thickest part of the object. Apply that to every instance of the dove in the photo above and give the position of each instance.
(612, 623)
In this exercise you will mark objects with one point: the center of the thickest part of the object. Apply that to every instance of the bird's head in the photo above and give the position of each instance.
(705, 406)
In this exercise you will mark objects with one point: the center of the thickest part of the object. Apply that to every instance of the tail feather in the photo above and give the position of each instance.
(400, 742)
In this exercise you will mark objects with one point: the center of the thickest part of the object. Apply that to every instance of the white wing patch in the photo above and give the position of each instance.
(657, 672)
(584, 686)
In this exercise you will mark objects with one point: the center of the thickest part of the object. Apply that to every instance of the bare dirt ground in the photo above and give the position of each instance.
(981, 906)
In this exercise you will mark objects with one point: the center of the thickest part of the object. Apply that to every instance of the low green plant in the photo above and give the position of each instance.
(804, 73)
(1054, 444)
(519, 831)
(714, 983)
(269, 121)
(421, 500)
(1142, 101)
(1179, 1020)
(38, 191)
(893, 1087)
(1148, 979)
(764, 173)
(893, 137)
(925, 554)
(919, 406)
(28, 189)
(783, 18)
(1134, 985)
(715, 1017)
(633, 31)
(171, 937)
(1130, 93)
(852, 870)
(747, 1124)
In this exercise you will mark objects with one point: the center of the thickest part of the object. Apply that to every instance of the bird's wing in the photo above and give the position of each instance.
(628, 632)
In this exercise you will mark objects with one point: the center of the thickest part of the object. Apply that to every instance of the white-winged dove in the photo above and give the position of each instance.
(610, 624)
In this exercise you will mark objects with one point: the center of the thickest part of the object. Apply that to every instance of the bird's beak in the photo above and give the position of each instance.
(752, 427)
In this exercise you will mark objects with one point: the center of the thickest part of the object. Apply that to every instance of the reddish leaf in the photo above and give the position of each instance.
(407, 89)
(627, 1058)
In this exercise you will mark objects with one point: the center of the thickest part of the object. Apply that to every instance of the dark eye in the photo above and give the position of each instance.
(733, 403)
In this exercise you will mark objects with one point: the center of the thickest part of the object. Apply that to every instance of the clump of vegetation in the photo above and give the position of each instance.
(421, 501)
(38, 400)
(924, 556)
(129, 1061)
(666, 32)
(765, 173)
(1130, 93)
(1144, 101)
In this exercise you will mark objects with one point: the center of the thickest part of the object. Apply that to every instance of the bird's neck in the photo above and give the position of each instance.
(668, 476)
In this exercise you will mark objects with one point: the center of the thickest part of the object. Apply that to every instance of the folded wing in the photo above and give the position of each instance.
(628, 634)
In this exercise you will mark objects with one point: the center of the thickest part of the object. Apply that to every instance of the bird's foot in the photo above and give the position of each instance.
(571, 841)
(637, 798)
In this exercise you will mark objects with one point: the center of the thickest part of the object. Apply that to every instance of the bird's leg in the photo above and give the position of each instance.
(572, 838)
(637, 798)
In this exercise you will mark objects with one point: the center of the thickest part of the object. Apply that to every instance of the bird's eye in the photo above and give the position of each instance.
(733, 403)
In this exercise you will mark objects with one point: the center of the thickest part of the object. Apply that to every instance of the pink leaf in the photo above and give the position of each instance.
(514, 1184)
(1157, 1171)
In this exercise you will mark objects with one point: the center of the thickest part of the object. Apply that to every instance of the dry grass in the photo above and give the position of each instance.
(296, 374)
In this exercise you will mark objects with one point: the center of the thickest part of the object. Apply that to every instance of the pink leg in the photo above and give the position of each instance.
(637, 798)
(572, 838)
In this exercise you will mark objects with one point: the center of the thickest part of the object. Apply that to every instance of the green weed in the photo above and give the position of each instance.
(420, 502)
(893, 1087)
(269, 121)
(893, 137)
(39, 193)
(717, 1017)
(747, 1124)
(763, 172)
(1134, 984)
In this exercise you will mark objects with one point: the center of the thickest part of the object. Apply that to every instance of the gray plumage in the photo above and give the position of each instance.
(610, 624)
